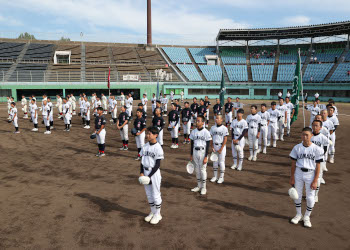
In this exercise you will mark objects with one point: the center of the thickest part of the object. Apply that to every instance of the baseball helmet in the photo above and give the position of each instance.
(144, 180)
(293, 194)
(170, 128)
(214, 156)
(93, 136)
(185, 119)
(134, 131)
(190, 167)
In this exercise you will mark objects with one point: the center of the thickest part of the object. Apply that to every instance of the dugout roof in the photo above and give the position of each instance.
(310, 31)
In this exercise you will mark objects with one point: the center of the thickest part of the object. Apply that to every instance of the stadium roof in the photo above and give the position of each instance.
(310, 31)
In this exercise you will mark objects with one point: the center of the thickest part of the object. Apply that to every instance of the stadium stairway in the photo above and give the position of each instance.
(277, 61)
(48, 71)
(195, 64)
(249, 67)
(143, 65)
(83, 60)
(114, 70)
(18, 60)
(307, 61)
(335, 66)
(227, 79)
(168, 61)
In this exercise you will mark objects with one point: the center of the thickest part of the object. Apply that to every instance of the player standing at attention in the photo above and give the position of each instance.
(333, 118)
(153, 102)
(164, 102)
(49, 103)
(282, 122)
(265, 120)
(217, 108)
(81, 108)
(87, 113)
(34, 114)
(159, 123)
(272, 128)
(97, 104)
(14, 117)
(46, 117)
(158, 106)
(314, 110)
(194, 108)
(152, 153)
(114, 105)
(228, 111)
(140, 126)
(100, 131)
(237, 105)
(74, 103)
(24, 107)
(182, 95)
(171, 96)
(200, 143)
(59, 106)
(93, 100)
(128, 105)
(104, 103)
(186, 114)
(239, 127)
(202, 109)
(290, 113)
(66, 114)
(122, 99)
(144, 102)
(306, 159)
(8, 107)
(123, 120)
(207, 105)
(144, 114)
(174, 124)
(331, 101)
(178, 110)
(254, 125)
(219, 134)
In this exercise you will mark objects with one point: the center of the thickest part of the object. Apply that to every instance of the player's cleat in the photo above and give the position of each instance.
(149, 217)
(254, 158)
(213, 179)
(221, 180)
(264, 151)
(268, 144)
(323, 181)
(259, 151)
(176, 146)
(296, 219)
(51, 127)
(331, 160)
(234, 166)
(67, 130)
(203, 191)
(111, 121)
(87, 127)
(47, 132)
(126, 148)
(282, 139)
(137, 158)
(250, 158)
(239, 168)
(102, 154)
(307, 222)
(325, 169)
(35, 129)
(196, 189)
(98, 154)
(184, 142)
(274, 145)
(122, 148)
(155, 219)
(172, 146)
(316, 198)
(17, 132)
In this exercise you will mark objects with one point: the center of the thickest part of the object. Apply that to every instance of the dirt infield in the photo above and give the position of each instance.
(55, 194)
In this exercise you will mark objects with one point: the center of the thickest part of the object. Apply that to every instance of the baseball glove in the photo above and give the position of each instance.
(170, 128)
(93, 136)
(144, 180)
(134, 131)
(9, 121)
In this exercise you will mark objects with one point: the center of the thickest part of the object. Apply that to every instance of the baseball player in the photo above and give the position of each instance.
(228, 111)
(81, 108)
(282, 122)
(114, 105)
(34, 114)
(164, 102)
(159, 123)
(153, 102)
(182, 96)
(331, 101)
(333, 118)
(59, 106)
(158, 106)
(314, 110)
(30, 107)
(97, 104)
(186, 115)
(178, 110)
(128, 104)
(14, 117)
(104, 103)
(93, 99)
(305, 170)
(100, 131)
(207, 105)
(49, 103)
(46, 117)
(275, 116)
(9, 107)
(254, 126)
(123, 120)
(239, 127)
(217, 109)
(87, 113)
(194, 108)
(174, 124)
(202, 109)
(144, 102)
(74, 104)
(219, 134)
(237, 105)
(200, 143)
(24, 107)
(131, 100)
(67, 116)
(322, 141)
(152, 153)
(144, 114)
(171, 96)
(122, 99)
(265, 120)
(290, 113)
(140, 126)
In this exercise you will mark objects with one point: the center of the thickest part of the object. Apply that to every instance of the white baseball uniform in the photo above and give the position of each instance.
(14, 116)
(46, 115)
(128, 104)
(218, 134)
(335, 121)
(313, 112)
(87, 110)
(154, 102)
(281, 122)
(33, 110)
(265, 119)
(144, 103)
(254, 125)
(67, 115)
(59, 105)
(272, 131)
(24, 107)
(238, 128)
(290, 108)
(114, 105)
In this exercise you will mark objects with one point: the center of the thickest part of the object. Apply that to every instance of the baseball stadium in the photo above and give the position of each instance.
(57, 193)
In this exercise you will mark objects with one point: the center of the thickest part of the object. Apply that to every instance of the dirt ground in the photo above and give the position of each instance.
(55, 194)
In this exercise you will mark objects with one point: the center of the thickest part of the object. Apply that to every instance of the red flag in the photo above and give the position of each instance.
(109, 78)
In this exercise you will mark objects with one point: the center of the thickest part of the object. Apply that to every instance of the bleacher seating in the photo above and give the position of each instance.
(177, 55)
(317, 72)
(262, 55)
(233, 56)
(262, 73)
(10, 50)
(212, 73)
(341, 74)
(4, 67)
(190, 71)
(286, 72)
(327, 55)
(200, 53)
(38, 51)
(237, 73)
(96, 53)
(347, 57)
(29, 72)
(290, 54)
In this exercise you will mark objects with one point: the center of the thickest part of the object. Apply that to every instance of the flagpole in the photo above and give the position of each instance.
(302, 88)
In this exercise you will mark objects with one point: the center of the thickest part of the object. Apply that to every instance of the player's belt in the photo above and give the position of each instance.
(253, 127)
(237, 135)
(199, 148)
(306, 170)
(146, 168)
(218, 144)
(263, 124)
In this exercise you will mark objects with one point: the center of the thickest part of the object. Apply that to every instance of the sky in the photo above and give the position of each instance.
(173, 21)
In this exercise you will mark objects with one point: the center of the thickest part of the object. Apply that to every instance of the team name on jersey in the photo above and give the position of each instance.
(306, 156)
(150, 154)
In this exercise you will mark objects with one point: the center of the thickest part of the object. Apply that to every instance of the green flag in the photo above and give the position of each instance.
(296, 88)
(222, 90)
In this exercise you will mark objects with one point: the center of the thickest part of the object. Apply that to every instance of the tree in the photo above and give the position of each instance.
(26, 36)
(65, 39)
